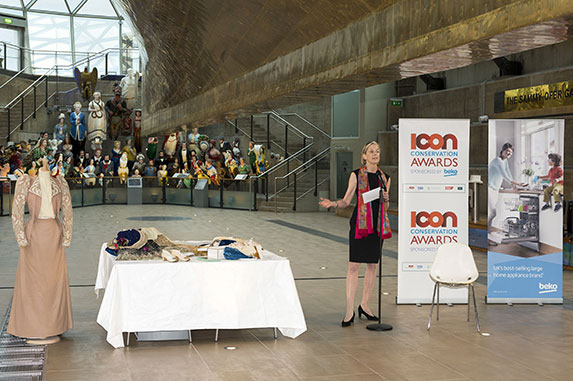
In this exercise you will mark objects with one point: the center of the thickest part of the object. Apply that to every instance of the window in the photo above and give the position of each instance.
(346, 115)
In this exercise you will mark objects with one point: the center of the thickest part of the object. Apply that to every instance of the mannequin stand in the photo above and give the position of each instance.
(380, 326)
(44, 341)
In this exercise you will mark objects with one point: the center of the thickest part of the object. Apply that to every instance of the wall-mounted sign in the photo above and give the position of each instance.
(397, 102)
(7, 20)
(537, 97)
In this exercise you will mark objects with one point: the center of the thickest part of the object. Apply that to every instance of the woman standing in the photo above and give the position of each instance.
(498, 171)
(366, 228)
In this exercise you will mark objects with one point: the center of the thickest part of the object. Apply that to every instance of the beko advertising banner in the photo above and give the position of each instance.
(525, 211)
(433, 193)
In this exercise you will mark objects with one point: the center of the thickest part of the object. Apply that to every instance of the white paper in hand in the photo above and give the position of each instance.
(370, 196)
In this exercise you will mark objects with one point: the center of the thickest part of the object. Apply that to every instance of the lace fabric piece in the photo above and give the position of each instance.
(67, 213)
(20, 198)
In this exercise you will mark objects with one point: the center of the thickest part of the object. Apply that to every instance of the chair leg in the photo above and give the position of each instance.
(190, 338)
(438, 303)
(127, 340)
(475, 308)
(432, 308)
(216, 335)
(468, 302)
(275, 332)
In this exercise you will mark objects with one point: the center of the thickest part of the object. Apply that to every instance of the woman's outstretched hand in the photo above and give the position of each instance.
(326, 203)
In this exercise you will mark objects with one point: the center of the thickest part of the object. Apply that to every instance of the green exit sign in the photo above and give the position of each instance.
(397, 102)
(7, 20)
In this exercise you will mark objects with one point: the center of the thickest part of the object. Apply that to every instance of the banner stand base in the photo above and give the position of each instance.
(379, 327)
(513, 301)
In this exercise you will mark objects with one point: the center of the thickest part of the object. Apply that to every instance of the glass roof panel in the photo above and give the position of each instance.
(97, 8)
(11, 3)
(73, 4)
(6, 11)
(50, 5)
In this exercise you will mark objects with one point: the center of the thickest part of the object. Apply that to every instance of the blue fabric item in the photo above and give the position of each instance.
(226, 242)
(231, 253)
(128, 237)
(111, 251)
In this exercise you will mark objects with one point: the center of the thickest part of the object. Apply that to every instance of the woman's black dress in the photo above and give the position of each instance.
(367, 249)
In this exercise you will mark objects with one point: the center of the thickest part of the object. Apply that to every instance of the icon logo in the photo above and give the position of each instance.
(545, 288)
(434, 219)
(434, 141)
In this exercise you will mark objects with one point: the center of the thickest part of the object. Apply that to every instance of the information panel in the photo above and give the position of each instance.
(433, 209)
(525, 211)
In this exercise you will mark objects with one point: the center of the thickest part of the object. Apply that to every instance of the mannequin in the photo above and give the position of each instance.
(97, 122)
(78, 129)
(41, 307)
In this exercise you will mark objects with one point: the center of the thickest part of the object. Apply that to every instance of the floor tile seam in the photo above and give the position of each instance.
(271, 351)
(499, 355)
(430, 357)
(364, 365)
(349, 354)
(211, 373)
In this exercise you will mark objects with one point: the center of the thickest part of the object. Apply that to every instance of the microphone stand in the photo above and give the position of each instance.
(380, 326)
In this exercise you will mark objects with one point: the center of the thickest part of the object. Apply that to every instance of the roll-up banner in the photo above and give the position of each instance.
(525, 211)
(433, 209)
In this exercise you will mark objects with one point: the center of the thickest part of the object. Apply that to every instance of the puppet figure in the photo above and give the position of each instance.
(97, 121)
(137, 130)
(170, 145)
(129, 87)
(231, 164)
(261, 163)
(151, 149)
(123, 171)
(86, 81)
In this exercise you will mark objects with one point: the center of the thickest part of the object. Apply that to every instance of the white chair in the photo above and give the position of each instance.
(454, 267)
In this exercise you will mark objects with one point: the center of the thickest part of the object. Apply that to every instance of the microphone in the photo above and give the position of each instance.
(381, 180)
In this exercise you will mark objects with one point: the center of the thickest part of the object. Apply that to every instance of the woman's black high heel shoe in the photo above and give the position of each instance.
(347, 323)
(362, 312)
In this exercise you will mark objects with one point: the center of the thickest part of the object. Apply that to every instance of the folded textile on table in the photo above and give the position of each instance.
(147, 244)
(237, 248)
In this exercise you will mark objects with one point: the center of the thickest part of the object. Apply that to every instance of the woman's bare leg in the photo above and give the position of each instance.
(351, 287)
(369, 280)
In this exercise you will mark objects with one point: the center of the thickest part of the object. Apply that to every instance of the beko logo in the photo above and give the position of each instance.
(434, 141)
(434, 219)
(544, 288)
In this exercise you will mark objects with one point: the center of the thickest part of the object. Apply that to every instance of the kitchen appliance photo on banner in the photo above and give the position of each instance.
(525, 196)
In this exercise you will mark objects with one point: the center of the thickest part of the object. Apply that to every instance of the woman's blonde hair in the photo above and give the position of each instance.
(365, 149)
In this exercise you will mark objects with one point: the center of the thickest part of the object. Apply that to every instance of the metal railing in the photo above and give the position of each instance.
(300, 172)
(43, 80)
(306, 121)
(126, 57)
(230, 194)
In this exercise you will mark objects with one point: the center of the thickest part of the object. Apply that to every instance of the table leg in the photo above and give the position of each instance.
(190, 338)
(275, 332)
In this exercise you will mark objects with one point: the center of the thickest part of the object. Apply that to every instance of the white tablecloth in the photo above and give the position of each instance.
(148, 296)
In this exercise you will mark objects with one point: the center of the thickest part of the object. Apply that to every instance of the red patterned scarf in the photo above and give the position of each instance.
(364, 225)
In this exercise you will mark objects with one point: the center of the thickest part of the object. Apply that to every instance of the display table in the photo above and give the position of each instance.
(151, 296)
